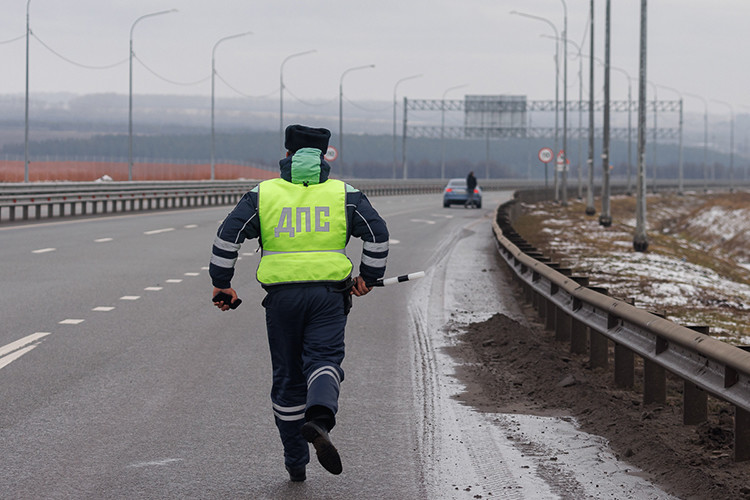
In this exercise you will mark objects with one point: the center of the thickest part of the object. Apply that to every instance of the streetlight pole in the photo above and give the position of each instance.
(590, 209)
(26, 133)
(130, 91)
(341, 110)
(705, 139)
(679, 154)
(640, 239)
(442, 129)
(580, 116)
(565, 107)
(213, 86)
(281, 94)
(557, 82)
(656, 102)
(605, 218)
(630, 127)
(731, 141)
(394, 117)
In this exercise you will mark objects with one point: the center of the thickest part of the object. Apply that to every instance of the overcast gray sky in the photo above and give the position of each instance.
(695, 46)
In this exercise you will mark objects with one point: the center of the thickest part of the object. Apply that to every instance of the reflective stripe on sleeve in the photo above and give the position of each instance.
(226, 245)
(222, 262)
(372, 262)
(375, 247)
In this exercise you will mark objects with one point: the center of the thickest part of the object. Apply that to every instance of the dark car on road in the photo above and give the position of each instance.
(456, 193)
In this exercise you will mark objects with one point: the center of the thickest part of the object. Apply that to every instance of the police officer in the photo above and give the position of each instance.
(303, 221)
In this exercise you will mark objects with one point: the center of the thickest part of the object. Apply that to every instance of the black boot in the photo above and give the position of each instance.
(296, 474)
(328, 455)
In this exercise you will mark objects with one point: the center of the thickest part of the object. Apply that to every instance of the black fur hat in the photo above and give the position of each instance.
(300, 136)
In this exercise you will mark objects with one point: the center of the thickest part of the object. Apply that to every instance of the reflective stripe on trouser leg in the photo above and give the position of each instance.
(323, 350)
(289, 389)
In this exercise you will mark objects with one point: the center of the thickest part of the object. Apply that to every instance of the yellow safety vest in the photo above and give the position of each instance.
(303, 232)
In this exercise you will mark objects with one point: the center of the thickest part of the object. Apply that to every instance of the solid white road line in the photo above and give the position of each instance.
(44, 250)
(22, 342)
(5, 361)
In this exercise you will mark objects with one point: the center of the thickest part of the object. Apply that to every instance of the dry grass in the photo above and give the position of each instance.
(691, 272)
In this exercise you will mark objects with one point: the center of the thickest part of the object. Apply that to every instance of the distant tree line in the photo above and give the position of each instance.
(372, 156)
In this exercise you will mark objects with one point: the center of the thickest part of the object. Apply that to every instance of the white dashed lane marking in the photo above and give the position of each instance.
(72, 321)
(191, 226)
(157, 231)
(103, 308)
(44, 250)
(130, 297)
(192, 274)
(153, 288)
(174, 281)
(102, 240)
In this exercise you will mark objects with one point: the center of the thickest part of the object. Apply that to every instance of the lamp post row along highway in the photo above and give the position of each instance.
(213, 85)
(341, 109)
(394, 118)
(281, 94)
(130, 90)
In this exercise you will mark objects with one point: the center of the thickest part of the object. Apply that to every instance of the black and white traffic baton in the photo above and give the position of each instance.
(396, 279)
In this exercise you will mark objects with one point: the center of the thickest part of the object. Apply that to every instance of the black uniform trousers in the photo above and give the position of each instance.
(305, 327)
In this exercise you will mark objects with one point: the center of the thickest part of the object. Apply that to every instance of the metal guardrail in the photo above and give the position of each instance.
(46, 200)
(588, 319)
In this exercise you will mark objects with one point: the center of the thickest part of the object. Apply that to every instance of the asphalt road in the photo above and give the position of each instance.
(119, 379)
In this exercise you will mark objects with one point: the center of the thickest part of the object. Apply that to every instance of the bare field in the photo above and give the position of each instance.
(81, 171)
(695, 269)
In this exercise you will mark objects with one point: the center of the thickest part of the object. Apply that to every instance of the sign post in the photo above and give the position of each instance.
(545, 156)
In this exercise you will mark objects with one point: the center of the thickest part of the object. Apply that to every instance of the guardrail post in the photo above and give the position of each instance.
(741, 434)
(694, 404)
(599, 346)
(654, 383)
(624, 366)
(578, 330)
(549, 315)
(694, 399)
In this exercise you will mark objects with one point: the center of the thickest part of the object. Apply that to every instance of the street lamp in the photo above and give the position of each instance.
(557, 78)
(605, 217)
(705, 139)
(580, 113)
(731, 140)
(679, 154)
(213, 86)
(442, 129)
(26, 133)
(590, 209)
(341, 110)
(130, 91)
(281, 94)
(656, 102)
(394, 118)
(640, 238)
(565, 106)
